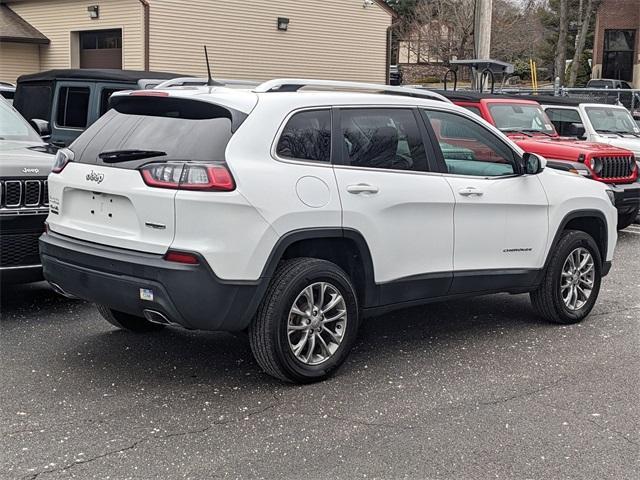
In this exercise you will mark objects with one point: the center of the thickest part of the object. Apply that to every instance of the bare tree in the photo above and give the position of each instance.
(561, 47)
(587, 8)
(442, 29)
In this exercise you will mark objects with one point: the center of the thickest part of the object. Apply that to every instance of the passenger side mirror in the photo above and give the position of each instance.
(532, 164)
(42, 127)
(576, 130)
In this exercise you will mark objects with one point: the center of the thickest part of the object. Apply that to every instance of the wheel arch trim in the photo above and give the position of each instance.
(586, 213)
(294, 236)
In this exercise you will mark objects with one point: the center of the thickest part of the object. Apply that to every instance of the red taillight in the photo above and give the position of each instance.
(181, 257)
(188, 176)
(63, 157)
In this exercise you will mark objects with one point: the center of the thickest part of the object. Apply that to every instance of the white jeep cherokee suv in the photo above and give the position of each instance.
(293, 213)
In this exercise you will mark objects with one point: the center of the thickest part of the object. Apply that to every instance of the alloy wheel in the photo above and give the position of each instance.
(316, 323)
(578, 278)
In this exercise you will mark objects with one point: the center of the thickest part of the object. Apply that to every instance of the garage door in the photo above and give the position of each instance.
(101, 49)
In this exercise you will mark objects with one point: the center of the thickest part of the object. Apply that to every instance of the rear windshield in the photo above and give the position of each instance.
(178, 132)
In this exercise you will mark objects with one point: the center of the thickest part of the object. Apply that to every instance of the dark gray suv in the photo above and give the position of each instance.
(25, 163)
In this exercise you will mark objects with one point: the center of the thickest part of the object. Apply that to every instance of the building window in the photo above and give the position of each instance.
(101, 39)
(73, 107)
(617, 60)
(101, 49)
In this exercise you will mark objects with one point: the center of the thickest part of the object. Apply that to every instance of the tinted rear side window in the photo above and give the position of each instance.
(203, 138)
(307, 136)
(382, 138)
(73, 107)
(33, 101)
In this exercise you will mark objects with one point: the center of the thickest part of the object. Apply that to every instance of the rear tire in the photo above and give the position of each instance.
(307, 321)
(127, 321)
(553, 299)
(626, 219)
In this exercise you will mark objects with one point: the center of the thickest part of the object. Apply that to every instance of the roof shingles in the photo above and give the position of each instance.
(13, 28)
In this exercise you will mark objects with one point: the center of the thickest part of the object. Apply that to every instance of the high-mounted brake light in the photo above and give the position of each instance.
(181, 257)
(188, 176)
(148, 93)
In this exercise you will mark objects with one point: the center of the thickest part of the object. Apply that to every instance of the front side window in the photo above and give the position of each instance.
(611, 120)
(382, 138)
(523, 118)
(564, 120)
(73, 107)
(307, 137)
(468, 148)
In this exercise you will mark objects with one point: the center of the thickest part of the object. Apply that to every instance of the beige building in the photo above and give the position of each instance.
(248, 39)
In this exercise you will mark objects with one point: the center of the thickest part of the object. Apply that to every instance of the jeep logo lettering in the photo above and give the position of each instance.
(95, 177)
(30, 170)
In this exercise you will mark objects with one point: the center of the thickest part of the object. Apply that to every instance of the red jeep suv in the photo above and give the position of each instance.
(525, 122)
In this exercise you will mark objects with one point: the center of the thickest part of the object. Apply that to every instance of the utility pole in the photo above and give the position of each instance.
(482, 29)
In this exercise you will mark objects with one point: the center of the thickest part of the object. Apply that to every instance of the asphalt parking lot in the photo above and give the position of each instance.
(472, 389)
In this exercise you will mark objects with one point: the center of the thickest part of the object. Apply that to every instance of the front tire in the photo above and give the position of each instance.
(126, 321)
(626, 219)
(571, 282)
(307, 321)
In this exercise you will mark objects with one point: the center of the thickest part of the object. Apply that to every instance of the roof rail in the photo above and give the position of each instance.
(295, 84)
(202, 82)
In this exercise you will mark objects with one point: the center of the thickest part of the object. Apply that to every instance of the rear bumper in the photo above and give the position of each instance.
(189, 295)
(627, 197)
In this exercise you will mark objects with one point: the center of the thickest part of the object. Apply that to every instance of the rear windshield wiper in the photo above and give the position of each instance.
(116, 156)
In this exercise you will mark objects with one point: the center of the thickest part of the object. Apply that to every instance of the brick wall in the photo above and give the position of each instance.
(616, 14)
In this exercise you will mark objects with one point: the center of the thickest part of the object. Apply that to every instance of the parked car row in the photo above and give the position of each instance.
(605, 151)
(294, 208)
(63, 103)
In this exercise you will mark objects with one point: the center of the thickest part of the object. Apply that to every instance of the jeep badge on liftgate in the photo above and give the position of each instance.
(95, 177)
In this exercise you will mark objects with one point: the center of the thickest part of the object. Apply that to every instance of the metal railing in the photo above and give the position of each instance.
(629, 98)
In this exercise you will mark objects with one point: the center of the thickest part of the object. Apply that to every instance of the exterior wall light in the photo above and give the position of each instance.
(94, 11)
(283, 24)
